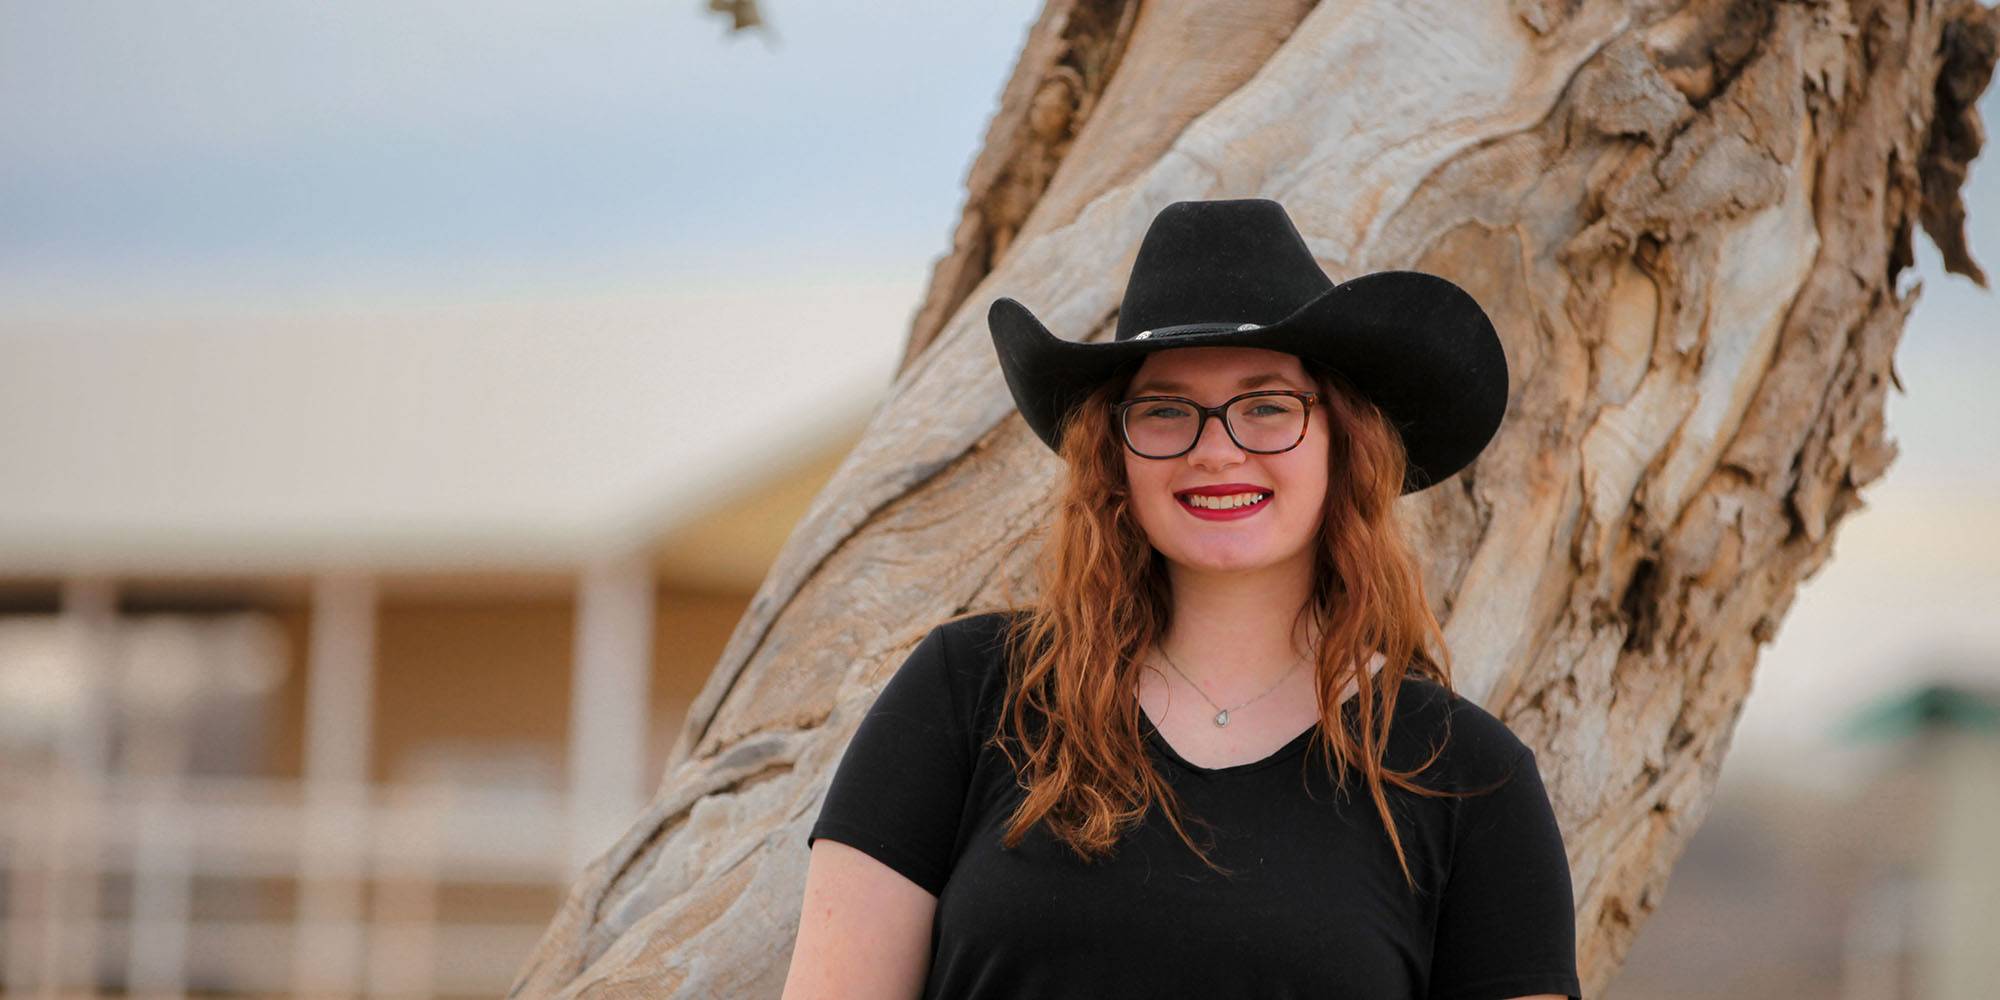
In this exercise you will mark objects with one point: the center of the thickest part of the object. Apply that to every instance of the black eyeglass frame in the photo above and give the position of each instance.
(1218, 412)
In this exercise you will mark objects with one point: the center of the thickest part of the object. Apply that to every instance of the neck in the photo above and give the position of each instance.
(1240, 632)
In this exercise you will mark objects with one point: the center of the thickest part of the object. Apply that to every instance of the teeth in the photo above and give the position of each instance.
(1225, 502)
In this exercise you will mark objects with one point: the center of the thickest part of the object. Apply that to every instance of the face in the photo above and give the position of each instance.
(1283, 528)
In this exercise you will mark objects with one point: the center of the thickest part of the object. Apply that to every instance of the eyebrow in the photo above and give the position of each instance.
(1162, 385)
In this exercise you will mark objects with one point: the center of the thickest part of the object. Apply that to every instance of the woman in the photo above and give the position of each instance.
(1220, 756)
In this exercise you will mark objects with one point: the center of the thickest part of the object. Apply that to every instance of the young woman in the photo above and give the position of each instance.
(1220, 756)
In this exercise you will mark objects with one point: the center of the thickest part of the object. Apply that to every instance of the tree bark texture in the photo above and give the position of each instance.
(1688, 222)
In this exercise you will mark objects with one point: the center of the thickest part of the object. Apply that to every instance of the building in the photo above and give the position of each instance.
(340, 769)
(1884, 887)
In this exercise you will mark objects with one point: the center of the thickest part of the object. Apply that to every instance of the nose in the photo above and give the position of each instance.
(1213, 447)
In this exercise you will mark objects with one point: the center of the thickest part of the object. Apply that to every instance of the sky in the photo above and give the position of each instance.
(482, 271)
(419, 280)
(287, 149)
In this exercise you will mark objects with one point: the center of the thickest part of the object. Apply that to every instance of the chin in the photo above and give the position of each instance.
(1226, 559)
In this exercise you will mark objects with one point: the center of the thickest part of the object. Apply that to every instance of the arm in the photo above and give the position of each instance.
(864, 929)
(881, 849)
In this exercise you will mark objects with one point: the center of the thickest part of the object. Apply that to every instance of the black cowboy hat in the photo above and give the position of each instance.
(1236, 273)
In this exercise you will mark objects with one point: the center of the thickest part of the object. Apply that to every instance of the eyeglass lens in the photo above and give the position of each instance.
(1161, 428)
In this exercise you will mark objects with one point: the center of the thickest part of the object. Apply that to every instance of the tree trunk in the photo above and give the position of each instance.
(1687, 222)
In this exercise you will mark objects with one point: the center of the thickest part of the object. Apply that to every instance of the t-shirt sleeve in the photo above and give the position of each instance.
(1506, 923)
(900, 786)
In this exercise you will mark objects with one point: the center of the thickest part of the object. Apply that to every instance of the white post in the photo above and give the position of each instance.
(156, 752)
(90, 616)
(327, 949)
(404, 908)
(31, 841)
(611, 677)
(1959, 960)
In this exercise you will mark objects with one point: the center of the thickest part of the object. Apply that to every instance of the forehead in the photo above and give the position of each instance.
(1216, 369)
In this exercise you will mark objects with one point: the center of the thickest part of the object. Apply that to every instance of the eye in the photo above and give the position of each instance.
(1163, 411)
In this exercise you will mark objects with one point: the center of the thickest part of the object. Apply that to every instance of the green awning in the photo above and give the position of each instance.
(1925, 707)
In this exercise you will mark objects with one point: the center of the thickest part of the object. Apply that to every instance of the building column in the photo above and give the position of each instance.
(73, 850)
(328, 947)
(156, 751)
(1959, 960)
(611, 679)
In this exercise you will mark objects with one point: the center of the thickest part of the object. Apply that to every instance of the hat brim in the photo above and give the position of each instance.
(1416, 344)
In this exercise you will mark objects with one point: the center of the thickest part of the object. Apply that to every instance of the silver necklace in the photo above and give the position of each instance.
(1222, 714)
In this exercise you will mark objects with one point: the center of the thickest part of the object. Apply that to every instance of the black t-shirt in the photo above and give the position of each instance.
(1317, 906)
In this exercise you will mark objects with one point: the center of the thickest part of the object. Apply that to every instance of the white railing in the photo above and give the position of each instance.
(366, 866)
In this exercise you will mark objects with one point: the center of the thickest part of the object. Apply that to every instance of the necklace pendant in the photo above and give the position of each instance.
(1222, 717)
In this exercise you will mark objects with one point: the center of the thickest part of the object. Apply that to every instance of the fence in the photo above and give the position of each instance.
(107, 881)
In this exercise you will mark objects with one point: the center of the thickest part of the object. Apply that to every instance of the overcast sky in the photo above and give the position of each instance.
(490, 275)
(433, 245)
(291, 148)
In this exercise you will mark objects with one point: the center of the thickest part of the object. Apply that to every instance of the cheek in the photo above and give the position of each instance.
(1306, 482)
(1152, 497)
(1313, 474)
(1149, 499)
(1143, 478)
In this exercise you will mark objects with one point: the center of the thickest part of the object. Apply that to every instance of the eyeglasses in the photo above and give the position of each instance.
(1265, 422)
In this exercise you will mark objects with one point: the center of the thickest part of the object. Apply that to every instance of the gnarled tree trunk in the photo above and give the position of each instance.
(1687, 221)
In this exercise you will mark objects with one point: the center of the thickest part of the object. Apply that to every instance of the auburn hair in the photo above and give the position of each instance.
(1070, 710)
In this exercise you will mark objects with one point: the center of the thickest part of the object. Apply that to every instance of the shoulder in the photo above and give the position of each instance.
(977, 634)
(1474, 746)
(969, 650)
(975, 643)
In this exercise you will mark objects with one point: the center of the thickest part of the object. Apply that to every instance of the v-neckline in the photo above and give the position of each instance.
(1151, 731)
(1159, 741)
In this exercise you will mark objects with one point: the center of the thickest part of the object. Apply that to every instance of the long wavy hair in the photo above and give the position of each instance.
(1070, 709)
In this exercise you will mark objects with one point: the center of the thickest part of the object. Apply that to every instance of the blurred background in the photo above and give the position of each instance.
(400, 402)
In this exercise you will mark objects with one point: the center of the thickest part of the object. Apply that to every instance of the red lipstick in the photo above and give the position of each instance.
(1224, 489)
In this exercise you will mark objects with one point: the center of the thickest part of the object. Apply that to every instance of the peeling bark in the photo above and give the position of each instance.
(1687, 222)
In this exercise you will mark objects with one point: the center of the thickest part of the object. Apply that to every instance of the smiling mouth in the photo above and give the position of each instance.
(1234, 501)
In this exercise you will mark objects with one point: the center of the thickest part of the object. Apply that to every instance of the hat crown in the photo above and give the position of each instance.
(1227, 261)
